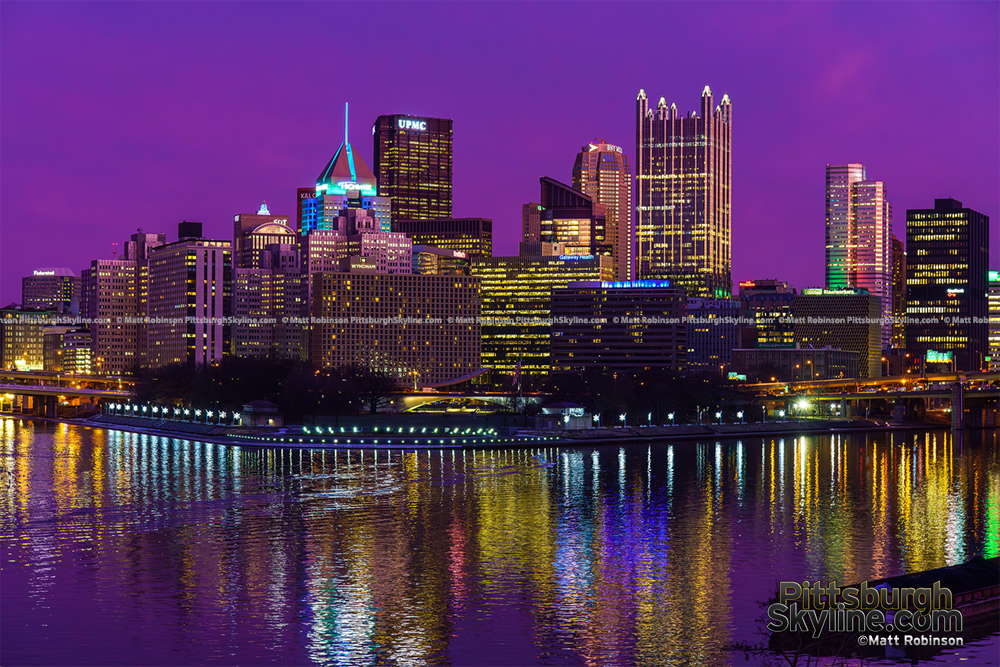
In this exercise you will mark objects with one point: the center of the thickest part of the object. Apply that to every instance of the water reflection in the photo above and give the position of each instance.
(130, 548)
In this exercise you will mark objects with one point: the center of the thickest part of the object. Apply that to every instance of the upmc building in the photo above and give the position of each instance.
(413, 165)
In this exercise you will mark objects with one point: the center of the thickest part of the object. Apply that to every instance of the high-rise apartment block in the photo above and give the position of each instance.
(845, 319)
(190, 300)
(57, 290)
(859, 237)
(420, 328)
(683, 195)
(947, 255)
(618, 326)
(601, 172)
(473, 236)
(413, 165)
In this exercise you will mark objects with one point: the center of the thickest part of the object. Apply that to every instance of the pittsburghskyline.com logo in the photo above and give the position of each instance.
(880, 615)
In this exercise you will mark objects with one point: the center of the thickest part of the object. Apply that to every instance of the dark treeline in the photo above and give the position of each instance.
(300, 390)
(303, 392)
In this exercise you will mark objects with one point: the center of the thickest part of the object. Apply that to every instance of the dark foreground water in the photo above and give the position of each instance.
(125, 549)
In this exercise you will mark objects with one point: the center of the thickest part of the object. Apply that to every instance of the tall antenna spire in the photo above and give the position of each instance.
(345, 123)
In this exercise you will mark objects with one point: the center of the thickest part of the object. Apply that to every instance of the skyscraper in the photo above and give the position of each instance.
(898, 294)
(190, 299)
(683, 195)
(946, 283)
(570, 220)
(993, 365)
(51, 289)
(413, 165)
(602, 173)
(859, 237)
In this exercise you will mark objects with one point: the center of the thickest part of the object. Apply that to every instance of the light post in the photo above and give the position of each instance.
(649, 419)
(621, 418)
(718, 415)
(781, 413)
(740, 415)
(763, 418)
(671, 415)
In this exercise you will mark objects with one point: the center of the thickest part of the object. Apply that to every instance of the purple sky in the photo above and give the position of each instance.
(116, 116)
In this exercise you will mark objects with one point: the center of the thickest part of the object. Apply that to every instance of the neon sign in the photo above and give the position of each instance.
(45, 273)
(407, 124)
(351, 185)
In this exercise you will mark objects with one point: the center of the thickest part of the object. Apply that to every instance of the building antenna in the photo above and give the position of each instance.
(114, 250)
(345, 124)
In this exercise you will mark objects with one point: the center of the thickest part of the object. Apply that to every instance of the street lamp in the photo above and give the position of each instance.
(781, 413)
(621, 418)
(740, 415)
(718, 415)
(671, 415)
(649, 418)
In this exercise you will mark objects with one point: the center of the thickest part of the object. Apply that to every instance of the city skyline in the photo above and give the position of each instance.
(162, 106)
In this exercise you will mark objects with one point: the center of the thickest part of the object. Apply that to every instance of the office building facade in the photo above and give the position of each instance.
(713, 332)
(847, 319)
(898, 294)
(769, 303)
(413, 165)
(567, 219)
(683, 195)
(190, 301)
(111, 301)
(619, 326)
(859, 237)
(517, 307)
(601, 171)
(22, 338)
(56, 289)
(473, 236)
(797, 364)
(993, 365)
(947, 255)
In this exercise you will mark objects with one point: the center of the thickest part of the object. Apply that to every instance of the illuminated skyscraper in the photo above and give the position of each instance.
(51, 289)
(947, 251)
(568, 219)
(994, 322)
(683, 195)
(190, 299)
(859, 237)
(898, 294)
(413, 165)
(602, 173)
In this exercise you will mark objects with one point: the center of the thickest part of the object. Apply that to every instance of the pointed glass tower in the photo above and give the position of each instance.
(345, 182)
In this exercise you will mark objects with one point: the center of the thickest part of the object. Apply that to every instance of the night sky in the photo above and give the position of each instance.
(118, 116)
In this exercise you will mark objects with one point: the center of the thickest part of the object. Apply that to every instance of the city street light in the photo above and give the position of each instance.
(621, 418)
(718, 415)
(740, 415)
(671, 415)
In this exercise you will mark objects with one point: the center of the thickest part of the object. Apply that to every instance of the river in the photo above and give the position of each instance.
(128, 549)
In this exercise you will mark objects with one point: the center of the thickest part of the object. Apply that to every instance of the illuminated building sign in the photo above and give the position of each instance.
(994, 276)
(351, 185)
(813, 291)
(574, 258)
(634, 284)
(407, 124)
(608, 147)
(737, 376)
(44, 273)
(933, 356)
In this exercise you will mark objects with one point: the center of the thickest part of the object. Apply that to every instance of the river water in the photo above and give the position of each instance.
(127, 549)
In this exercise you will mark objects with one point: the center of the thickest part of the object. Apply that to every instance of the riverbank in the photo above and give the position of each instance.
(444, 435)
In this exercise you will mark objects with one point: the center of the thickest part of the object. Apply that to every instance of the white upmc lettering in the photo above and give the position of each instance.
(411, 124)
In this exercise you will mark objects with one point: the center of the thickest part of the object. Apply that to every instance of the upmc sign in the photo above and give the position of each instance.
(407, 124)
